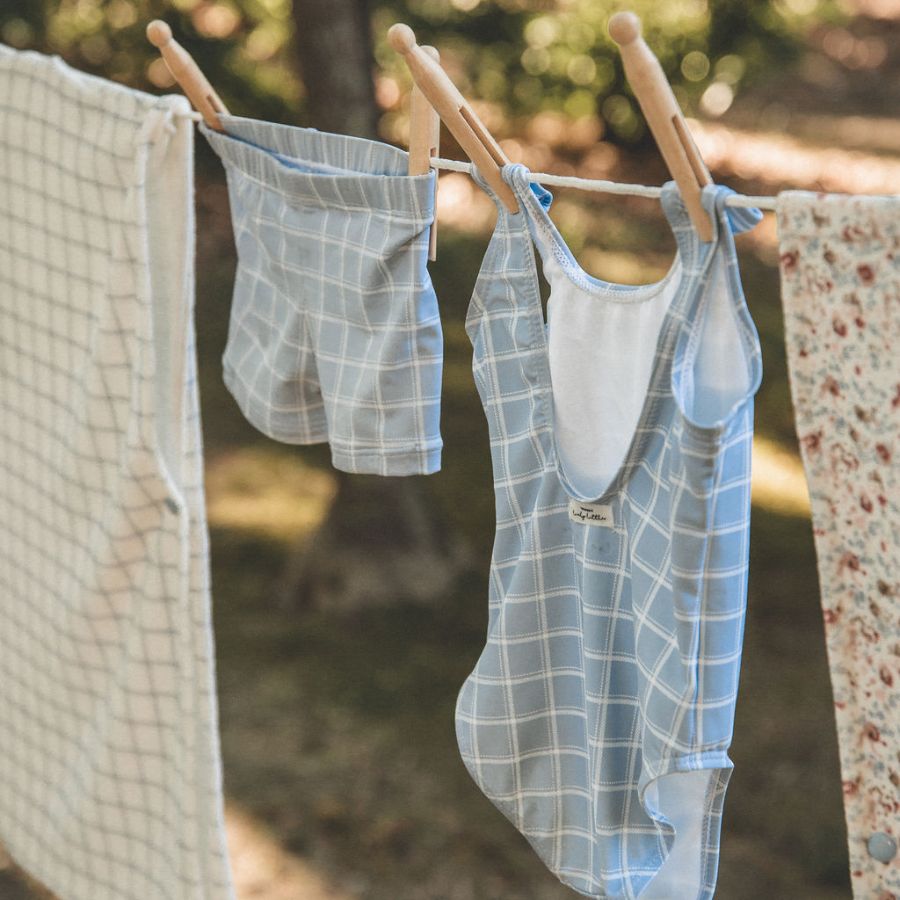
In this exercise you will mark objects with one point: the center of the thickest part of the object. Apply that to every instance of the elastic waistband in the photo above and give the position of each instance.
(326, 170)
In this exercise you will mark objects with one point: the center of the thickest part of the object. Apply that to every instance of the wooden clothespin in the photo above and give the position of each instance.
(475, 140)
(424, 142)
(187, 73)
(660, 108)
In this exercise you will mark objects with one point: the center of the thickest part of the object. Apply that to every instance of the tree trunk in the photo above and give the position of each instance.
(383, 540)
(334, 41)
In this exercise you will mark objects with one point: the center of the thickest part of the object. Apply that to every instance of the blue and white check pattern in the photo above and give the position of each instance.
(612, 654)
(334, 333)
(110, 776)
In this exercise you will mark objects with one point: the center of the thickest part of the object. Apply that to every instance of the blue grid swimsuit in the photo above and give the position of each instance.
(334, 332)
(599, 714)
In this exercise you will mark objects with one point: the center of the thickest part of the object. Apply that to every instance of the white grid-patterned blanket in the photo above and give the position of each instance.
(109, 757)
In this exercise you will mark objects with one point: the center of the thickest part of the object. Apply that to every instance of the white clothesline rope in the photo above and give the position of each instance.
(599, 185)
(604, 187)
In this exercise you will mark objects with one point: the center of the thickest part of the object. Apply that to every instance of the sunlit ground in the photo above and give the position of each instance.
(264, 870)
(268, 490)
(275, 494)
(776, 158)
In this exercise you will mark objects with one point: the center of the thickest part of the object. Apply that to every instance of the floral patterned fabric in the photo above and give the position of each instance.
(840, 278)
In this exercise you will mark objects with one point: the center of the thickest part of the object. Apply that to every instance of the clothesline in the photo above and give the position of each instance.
(598, 185)
(603, 186)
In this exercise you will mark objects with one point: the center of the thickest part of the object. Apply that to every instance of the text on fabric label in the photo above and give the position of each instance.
(591, 513)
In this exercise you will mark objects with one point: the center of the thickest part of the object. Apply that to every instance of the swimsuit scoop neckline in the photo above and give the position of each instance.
(534, 203)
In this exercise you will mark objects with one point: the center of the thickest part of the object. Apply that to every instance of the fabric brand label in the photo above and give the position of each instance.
(591, 513)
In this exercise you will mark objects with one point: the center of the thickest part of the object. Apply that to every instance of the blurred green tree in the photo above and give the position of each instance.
(340, 96)
(523, 56)
(245, 48)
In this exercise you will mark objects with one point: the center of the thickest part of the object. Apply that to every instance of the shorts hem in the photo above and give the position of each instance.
(423, 459)
(315, 433)
(407, 459)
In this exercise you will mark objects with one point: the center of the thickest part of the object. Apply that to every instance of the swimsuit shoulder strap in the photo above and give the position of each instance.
(506, 327)
(717, 362)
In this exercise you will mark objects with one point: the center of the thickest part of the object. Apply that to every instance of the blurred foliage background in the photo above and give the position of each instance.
(523, 56)
(341, 768)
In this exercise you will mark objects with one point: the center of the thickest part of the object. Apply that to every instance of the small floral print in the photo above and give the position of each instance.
(844, 459)
(866, 274)
(845, 386)
(812, 442)
(789, 261)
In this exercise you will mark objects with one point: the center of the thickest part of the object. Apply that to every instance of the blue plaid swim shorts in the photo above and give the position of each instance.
(334, 333)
